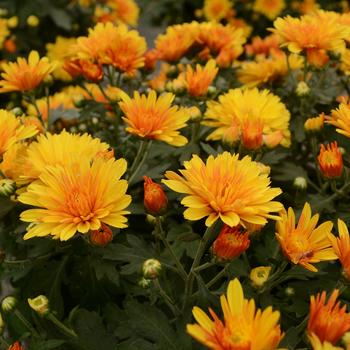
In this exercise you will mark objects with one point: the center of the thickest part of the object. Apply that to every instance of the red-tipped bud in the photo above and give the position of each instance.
(16, 346)
(155, 199)
(330, 160)
(102, 236)
(231, 242)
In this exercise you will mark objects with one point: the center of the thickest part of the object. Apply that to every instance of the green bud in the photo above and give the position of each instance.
(9, 303)
(300, 183)
(145, 283)
(7, 187)
(151, 269)
(40, 305)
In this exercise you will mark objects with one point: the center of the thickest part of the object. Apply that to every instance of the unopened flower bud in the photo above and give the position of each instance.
(33, 21)
(9, 303)
(330, 161)
(12, 22)
(7, 187)
(16, 346)
(145, 283)
(194, 113)
(302, 89)
(40, 305)
(155, 199)
(151, 219)
(102, 236)
(259, 275)
(151, 269)
(212, 90)
(300, 183)
(289, 291)
(17, 111)
(315, 124)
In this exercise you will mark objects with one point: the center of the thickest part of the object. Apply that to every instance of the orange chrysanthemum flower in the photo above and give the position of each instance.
(315, 124)
(263, 46)
(231, 242)
(340, 118)
(269, 8)
(25, 75)
(304, 244)
(78, 197)
(154, 118)
(12, 130)
(341, 246)
(198, 80)
(227, 188)
(16, 346)
(216, 10)
(244, 326)
(328, 321)
(318, 32)
(330, 160)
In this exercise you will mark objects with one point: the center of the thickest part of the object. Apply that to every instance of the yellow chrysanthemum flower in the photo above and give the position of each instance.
(310, 33)
(269, 8)
(54, 150)
(244, 326)
(227, 188)
(318, 345)
(305, 244)
(25, 75)
(77, 197)
(154, 118)
(241, 109)
(59, 51)
(345, 62)
(4, 31)
(12, 130)
(340, 118)
(216, 10)
(306, 6)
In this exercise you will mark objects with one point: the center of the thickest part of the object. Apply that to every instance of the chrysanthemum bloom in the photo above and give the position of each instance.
(16, 346)
(315, 124)
(155, 199)
(12, 130)
(53, 150)
(216, 10)
(154, 118)
(244, 326)
(25, 75)
(341, 246)
(340, 118)
(124, 11)
(176, 41)
(231, 242)
(263, 46)
(314, 34)
(306, 6)
(259, 275)
(59, 51)
(327, 320)
(330, 160)
(269, 8)
(318, 345)
(83, 67)
(240, 108)
(305, 244)
(198, 80)
(225, 187)
(77, 197)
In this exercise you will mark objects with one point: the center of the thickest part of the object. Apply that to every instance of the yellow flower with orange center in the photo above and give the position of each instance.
(306, 243)
(154, 118)
(77, 197)
(225, 188)
(315, 124)
(25, 75)
(341, 246)
(241, 112)
(12, 130)
(269, 8)
(216, 10)
(198, 80)
(244, 326)
(319, 32)
(330, 160)
(318, 345)
(340, 118)
(328, 320)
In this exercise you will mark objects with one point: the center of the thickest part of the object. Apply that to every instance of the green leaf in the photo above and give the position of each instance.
(288, 172)
(61, 18)
(106, 269)
(48, 344)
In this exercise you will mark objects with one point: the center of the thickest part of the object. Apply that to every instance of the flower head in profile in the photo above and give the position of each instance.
(76, 198)
(328, 320)
(216, 10)
(341, 246)
(25, 75)
(16, 346)
(12, 130)
(199, 79)
(330, 160)
(241, 112)
(153, 117)
(315, 124)
(225, 188)
(306, 243)
(318, 345)
(263, 46)
(243, 327)
(340, 118)
(269, 8)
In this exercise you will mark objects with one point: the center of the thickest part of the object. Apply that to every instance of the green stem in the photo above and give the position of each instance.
(314, 152)
(139, 159)
(61, 326)
(163, 238)
(175, 310)
(217, 277)
(47, 95)
(204, 266)
(31, 329)
(305, 67)
(32, 100)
